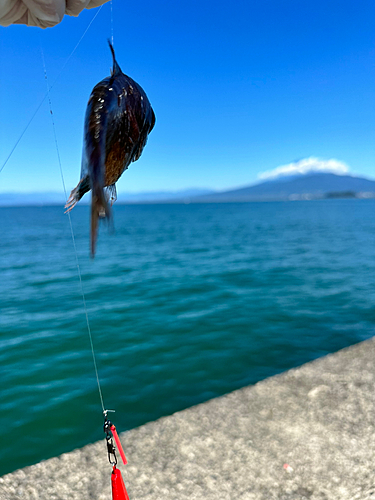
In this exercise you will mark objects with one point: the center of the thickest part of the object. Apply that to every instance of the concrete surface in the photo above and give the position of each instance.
(306, 434)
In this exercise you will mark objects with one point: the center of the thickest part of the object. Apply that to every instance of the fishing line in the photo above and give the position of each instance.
(112, 22)
(72, 233)
(49, 88)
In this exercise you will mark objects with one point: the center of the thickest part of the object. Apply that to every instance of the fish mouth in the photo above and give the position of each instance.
(116, 70)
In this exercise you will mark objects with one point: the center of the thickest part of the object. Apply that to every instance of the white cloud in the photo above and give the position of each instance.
(305, 166)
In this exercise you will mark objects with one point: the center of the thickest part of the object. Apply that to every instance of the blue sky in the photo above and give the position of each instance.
(238, 88)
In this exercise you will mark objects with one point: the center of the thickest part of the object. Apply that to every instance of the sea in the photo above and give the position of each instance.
(185, 302)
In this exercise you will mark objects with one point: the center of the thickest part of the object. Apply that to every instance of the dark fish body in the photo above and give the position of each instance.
(118, 119)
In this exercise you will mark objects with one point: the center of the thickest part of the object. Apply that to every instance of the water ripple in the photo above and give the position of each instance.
(186, 302)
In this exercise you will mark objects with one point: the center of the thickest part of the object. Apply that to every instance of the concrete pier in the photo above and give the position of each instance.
(306, 434)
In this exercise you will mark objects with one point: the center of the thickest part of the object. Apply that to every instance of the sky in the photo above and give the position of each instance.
(239, 89)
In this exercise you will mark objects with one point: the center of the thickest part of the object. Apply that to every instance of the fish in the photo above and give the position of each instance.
(118, 119)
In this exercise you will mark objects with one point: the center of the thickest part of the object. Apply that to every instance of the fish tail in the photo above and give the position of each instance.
(95, 134)
(99, 203)
(99, 209)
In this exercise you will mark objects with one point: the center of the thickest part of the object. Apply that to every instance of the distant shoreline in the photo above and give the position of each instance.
(333, 196)
(312, 186)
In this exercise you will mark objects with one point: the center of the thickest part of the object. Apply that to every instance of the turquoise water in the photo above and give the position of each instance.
(186, 302)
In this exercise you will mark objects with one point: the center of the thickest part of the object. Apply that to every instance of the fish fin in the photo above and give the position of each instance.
(116, 70)
(111, 193)
(77, 193)
(99, 208)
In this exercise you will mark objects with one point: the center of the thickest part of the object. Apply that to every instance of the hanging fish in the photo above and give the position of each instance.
(118, 119)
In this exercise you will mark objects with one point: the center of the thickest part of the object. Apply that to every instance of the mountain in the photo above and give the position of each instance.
(302, 187)
(298, 187)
